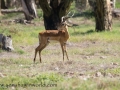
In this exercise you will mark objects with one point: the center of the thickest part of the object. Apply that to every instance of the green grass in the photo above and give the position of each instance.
(39, 81)
(85, 32)
(117, 3)
(42, 80)
(20, 51)
(89, 52)
(8, 16)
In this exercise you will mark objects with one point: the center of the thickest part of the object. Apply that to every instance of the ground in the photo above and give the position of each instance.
(82, 61)
(94, 58)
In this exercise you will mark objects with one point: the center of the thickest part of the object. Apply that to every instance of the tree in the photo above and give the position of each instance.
(103, 15)
(81, 4)
(10, 3)
(29, 9)
(114, 1)
(0, 7)
(6, 4)
(3, 6)
(53, 11)
(92, 3)
(13, 3)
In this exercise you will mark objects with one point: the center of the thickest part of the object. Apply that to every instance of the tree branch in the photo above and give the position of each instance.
(64, 7)
(54, 3)
(45, 7)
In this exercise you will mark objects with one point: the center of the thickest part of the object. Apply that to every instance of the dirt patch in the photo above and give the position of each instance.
(84, 63)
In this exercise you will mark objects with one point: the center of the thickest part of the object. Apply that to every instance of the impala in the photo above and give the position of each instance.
(61, 35)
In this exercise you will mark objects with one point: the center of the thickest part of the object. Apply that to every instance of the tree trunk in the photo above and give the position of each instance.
(103, 15)
(13, 3)
(3, 6)
(53, 12)
(29, 9)
(0, 7)
(113, 2)
(9, 3)
(92, 3)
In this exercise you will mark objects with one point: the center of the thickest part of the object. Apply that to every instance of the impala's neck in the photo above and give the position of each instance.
(66, 31)
(65, 28)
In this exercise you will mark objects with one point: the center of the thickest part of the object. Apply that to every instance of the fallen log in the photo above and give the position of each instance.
(116, 13)
(11, 11)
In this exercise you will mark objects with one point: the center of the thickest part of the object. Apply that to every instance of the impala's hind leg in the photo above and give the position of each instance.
(41, 50)
(36, 50)
(42, 47)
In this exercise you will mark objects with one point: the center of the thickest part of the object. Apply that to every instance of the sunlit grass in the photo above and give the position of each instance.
(38, 81)
(118, 4)
(20, 69)
(88, 33)
(67, 84)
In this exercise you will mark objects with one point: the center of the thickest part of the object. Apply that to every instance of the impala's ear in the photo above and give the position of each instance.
(63, 19)
(66, 17)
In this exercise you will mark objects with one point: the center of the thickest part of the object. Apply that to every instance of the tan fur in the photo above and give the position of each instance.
(60, 35)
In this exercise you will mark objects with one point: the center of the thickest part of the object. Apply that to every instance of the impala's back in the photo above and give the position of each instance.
(52, 34)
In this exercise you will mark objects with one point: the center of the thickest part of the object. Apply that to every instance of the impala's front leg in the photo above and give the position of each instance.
(65, 50)
(62, 47)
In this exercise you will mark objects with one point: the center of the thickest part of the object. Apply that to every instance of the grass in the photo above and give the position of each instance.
(39, 81)
(42, 81)
(89, 52)
(117, 3)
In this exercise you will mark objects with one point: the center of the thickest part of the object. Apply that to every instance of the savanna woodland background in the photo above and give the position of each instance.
(93, 47)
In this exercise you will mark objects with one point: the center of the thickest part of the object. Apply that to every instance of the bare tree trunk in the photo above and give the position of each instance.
(13, 3)
(29, 9)
(9, 3)
(114, 1)
(37, 3)
(103, 15)
(53, 11)
(92, 3)
(3, 6)
(0, 7)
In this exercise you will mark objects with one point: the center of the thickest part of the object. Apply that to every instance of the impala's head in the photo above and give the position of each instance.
(63, 25)
(66, 17)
